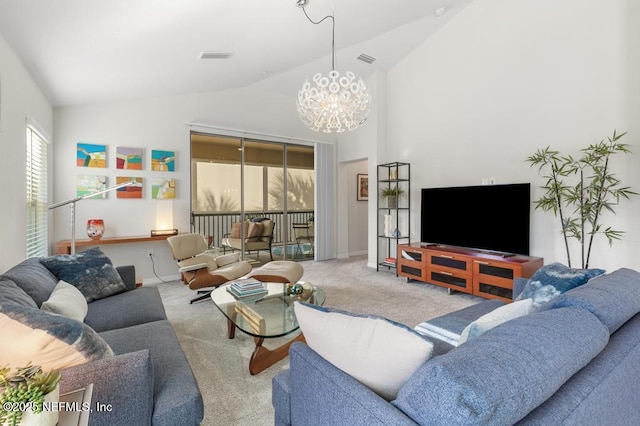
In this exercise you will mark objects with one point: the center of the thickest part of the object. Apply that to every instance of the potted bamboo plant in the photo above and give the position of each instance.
(579, 191)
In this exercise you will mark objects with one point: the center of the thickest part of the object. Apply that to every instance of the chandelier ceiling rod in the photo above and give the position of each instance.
(333, 32)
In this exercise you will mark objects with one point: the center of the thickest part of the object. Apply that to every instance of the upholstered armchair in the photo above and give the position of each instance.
(200, 269)
(257, 235)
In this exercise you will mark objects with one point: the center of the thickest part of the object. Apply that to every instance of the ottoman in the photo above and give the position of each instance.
(278, 271)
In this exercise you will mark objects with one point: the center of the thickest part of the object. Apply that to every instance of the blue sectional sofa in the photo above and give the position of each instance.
(575, 360)
(145, 379)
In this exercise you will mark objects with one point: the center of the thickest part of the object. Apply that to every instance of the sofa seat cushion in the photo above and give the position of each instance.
(34, 278)
(499, 377)
(379, 353)
(90, 271)
(554, 279)
(10, 293)
(66, 300)
(614, 298)
(49, 340)
(134, 307)
(177, 399)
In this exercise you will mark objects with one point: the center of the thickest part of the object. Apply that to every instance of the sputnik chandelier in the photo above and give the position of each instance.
(332, 103)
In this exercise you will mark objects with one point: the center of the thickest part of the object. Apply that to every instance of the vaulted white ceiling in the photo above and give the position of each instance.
(93, 51)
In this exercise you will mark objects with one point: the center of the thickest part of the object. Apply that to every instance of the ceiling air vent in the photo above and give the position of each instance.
(214, 55)
(366, 58)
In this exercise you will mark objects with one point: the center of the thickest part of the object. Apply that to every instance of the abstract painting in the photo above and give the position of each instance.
(87, 184)
(129, 158)
(129, 191)
(90, 155)
(163, 188)
(163, 161)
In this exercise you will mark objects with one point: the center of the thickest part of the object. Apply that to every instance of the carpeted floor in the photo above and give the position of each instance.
(231, 395)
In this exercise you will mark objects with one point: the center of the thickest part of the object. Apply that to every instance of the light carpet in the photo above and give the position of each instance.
(231, 395)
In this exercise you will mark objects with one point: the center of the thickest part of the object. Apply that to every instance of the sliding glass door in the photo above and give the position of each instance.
(237, 179)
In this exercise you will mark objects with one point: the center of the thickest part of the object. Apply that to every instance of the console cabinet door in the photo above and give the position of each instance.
(411, 264)
(449, 270)
(494, 280)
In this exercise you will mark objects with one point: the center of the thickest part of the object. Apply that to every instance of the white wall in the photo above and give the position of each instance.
(153, 124)
(20, 98)
(358, 211)
(505, 78)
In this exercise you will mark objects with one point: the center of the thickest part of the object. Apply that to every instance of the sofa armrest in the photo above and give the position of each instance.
(128, 275)
(321, 393)
(518, 286)
(122, 386)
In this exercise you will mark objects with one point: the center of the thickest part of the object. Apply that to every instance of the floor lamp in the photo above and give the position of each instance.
(72, 203)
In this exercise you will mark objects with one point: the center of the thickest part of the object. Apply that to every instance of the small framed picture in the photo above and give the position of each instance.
(363, 187)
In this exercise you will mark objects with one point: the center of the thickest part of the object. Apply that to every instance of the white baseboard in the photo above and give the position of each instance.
(161, 279)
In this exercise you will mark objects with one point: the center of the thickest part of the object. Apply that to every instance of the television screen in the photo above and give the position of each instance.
(487, 217)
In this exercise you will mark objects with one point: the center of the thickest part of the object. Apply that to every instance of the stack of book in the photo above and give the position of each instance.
(390, 261)
(246, 288)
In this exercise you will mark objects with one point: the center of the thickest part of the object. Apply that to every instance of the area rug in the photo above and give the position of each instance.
(231, 395)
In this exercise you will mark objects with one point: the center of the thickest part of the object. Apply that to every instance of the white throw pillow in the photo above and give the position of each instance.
(66, 300)
(495, 318)
(379, 353)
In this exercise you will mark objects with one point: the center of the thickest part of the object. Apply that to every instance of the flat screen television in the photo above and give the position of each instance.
(486, 217)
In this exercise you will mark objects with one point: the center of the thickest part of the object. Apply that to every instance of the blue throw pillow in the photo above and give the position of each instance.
(554, 279)
(90, 271)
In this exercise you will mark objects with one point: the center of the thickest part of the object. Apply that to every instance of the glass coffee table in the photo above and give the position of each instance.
(263, 317)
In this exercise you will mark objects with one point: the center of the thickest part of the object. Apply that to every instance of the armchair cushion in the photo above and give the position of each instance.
(227, 259)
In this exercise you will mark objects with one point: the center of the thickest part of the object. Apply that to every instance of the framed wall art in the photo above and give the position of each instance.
(163, 161)
(363, 187)
(91, 155)
(129, 158)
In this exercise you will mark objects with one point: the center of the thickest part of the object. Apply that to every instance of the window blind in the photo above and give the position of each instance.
(36, 192)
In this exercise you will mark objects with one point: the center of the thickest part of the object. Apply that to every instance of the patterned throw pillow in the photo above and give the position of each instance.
(90, 271)
(554, 279)
(48, 340)
(379, 353)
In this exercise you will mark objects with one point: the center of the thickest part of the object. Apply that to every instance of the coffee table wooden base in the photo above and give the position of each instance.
(263, 358)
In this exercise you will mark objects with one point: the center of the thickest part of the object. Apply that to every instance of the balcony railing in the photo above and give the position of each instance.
(217, 225)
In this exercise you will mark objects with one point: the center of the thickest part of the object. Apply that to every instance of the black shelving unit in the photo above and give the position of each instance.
(396, 229)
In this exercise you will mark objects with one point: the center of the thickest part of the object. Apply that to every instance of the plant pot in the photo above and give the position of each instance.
(392, 202)
(46, 417)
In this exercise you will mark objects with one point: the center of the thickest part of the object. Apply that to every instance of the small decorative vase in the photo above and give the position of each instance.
(387, 225)
(95, 228)
(393, 174)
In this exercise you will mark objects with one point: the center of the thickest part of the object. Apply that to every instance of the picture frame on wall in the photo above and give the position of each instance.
(362, 187)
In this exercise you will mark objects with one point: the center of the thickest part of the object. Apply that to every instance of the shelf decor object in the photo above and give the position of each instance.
(72, 205)
(95, 228)
(332, 103)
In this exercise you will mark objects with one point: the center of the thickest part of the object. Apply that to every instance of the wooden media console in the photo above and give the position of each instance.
(482, 273)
